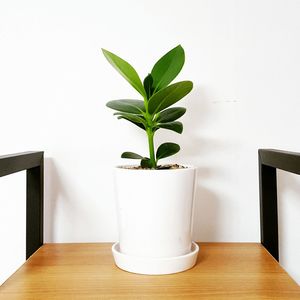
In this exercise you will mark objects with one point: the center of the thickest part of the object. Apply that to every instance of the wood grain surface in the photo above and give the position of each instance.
(87, 271)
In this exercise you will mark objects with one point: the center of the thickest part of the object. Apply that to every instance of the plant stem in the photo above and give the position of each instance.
(150, 134)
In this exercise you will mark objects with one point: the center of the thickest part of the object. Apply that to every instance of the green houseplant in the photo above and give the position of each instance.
(153, 112)
(154, 224)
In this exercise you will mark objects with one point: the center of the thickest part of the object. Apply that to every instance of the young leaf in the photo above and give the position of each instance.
(174, 126)
(167, 149)
(127, 105)
(126, 70)
(135, 123)
(131, 117)
(131, 155)
(146, 163)
(148, 81)
(171, 114)
(167, 68)
(169, 95)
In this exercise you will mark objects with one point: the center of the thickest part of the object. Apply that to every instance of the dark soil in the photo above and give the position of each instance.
(161, 167)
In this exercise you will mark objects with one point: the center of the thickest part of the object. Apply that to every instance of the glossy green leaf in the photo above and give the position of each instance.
(168, 96)
(141, 125)
(171, 114)
(167, 68)
(131, 117)
(167, 149)
(148, 82)
(146, 163)
(135, 123)
(174, 126)
(126, 70)
(127, 105)
(131, 155)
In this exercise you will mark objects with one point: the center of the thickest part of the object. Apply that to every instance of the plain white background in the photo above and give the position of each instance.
(243, 57)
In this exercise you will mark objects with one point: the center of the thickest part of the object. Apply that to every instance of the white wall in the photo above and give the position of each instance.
(243, 57)
(289, 222)
(12, 223)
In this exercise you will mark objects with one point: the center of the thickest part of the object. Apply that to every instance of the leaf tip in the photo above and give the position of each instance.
(191, 84)
(180, 48)
(104, 51)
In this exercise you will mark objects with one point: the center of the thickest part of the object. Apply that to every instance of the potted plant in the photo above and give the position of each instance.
(154, 201)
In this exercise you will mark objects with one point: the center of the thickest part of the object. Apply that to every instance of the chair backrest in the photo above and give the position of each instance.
(269, 161)
(33, 163)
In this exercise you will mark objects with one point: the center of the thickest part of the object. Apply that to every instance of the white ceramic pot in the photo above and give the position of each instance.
(154, 209)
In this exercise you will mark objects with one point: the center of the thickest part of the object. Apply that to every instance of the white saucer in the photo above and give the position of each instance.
(155, 266)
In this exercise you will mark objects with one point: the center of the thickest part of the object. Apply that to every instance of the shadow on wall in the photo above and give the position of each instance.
(288, 219)
(206, 225)
(63, 217)
(287, 183)
(53, 191)
(196, 148)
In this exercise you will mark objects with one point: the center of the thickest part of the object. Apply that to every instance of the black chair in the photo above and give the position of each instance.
(33, 163)
(269, 161)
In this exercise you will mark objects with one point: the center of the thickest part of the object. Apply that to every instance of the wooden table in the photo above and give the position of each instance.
(87, 271)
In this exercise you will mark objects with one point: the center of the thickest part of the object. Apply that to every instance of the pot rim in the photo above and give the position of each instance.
(186, 168)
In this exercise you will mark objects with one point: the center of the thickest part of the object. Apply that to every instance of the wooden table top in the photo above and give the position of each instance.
(87, 271)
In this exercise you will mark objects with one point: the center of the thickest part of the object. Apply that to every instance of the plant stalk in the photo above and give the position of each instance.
(150, 134)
